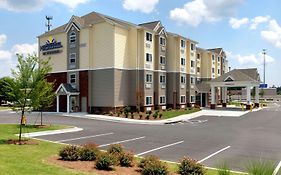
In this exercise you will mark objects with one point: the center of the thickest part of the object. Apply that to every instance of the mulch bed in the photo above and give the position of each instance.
(22, 142)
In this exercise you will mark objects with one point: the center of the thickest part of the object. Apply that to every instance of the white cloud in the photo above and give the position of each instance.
(272, 34)
(3, 39)
(36, 5)
(258, 20)
(197, 11)
(25, 49)
(237, 23)
(5, 55)
(255, 60)
(145, 6)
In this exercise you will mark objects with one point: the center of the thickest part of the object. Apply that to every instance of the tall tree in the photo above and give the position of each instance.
(5, 84)
(29, 76)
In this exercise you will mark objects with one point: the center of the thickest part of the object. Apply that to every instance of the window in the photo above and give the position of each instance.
(192, 80)
(213, 70)
(218, 71)
(218, 59)
(162, 60)
(182, 79)
(72, 58)
(198, 56)
(192, 46)
(182, 99)
(182, 61)
(148, 78)
(162, 79)
(213, 57)
(198, 69)
(162, 99)
(148, 57)
(148, 100)
(72, 78)
(72, 37)
(191, 63)
(162, 41)
(148, 36)
(192, 99)
(182, 43)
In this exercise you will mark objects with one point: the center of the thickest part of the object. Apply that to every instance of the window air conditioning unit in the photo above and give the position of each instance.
(148, 85)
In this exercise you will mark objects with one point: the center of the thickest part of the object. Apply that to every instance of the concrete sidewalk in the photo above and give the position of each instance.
(185, 117)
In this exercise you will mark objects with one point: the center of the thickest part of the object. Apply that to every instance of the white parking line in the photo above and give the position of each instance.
(219, 151)
(86, 137)
(123, 141)
(277, 168)
(140, 154)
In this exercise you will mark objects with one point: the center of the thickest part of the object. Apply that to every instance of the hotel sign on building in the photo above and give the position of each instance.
(51, 47)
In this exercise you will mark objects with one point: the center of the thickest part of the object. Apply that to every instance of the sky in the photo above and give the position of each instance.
(242, 27)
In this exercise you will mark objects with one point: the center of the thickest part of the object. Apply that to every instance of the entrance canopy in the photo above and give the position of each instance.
(236, 78)
(68, 90)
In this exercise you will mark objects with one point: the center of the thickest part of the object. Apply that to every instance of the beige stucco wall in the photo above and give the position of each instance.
(103, 45)
(121, 48)
(58, 61)
(172, 53)
(84, 50)
(149, 50)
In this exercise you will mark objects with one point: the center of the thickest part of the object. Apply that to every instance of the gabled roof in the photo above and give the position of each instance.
(240, 75)
(66, 88)
(155, 26)
(203, 87)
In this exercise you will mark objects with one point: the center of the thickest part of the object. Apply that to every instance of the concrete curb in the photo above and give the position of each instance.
(43, 133)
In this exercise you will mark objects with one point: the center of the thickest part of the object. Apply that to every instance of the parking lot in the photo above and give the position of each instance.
(210, 140)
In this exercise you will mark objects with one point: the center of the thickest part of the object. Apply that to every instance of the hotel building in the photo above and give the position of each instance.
(100, 64)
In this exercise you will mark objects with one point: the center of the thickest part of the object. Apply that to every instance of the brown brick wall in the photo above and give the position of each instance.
(84, 87)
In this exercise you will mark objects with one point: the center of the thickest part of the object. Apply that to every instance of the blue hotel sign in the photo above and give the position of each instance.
(51, 47)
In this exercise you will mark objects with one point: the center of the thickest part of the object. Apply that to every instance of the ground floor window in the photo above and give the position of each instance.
(148, 100)
(182, 100)
(162, 99)
(192, 99)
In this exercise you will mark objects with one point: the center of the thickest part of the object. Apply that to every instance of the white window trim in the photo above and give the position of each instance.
(192, 44)
(184, 45)
(193, 80)
(160, 41)
(164, 79)
(74, 78)
(150, 58)
(184, 99)
(151, 77)
(184, 61)
(146, 101)
(151, 37)
(164, 100)
(72, 58)
(160, 60)
(70, 36)
(193, 98)
(184, 78)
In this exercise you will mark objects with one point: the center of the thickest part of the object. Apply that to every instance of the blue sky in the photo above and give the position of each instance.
(242, 27)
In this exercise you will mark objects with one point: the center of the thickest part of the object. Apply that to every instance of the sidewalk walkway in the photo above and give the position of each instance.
(185, 117)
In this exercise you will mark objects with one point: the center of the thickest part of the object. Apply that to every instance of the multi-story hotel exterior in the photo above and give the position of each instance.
(100, 63)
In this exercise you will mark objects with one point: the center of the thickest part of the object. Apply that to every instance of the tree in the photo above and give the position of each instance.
(29, 76)
(5, 84)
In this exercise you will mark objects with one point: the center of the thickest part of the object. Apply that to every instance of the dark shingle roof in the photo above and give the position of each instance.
(203, 87)
(69, 88)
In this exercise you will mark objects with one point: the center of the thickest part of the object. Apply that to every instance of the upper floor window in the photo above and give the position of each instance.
(148, 78)
(148, 57)
(192, 47)
(162, 60)
(198, 56)
(162, 79)
(72, 58)
(213, 70)
(148, 37)
(218, 71)
(213, 57)
(192, 99)
(192, 80)
(72, 78)
(162, 41)
(182, 43)
(72, 37)
(218, 59)
(192, 64)
(182, 61)
(198, 69)
(182, 79)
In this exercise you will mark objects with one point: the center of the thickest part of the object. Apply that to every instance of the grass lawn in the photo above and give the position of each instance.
(175, 113)
(4, 108)
(28, 159)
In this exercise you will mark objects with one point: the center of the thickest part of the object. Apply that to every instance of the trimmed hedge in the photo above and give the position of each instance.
(89, 152)
(70, 153)
(105, 161)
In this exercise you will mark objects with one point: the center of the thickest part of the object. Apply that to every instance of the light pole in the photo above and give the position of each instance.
(264, 53)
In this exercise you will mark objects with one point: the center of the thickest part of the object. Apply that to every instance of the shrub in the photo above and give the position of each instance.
(140, 115)
(126, 159)
(89, 152)
(189, 166)
(126, 111)
(155, 115)
(223, 169)
(111, 113)
(260, 167)
(160, 115)
(132, 115)
(105, 161)
(115, 149)
(152, 165)
(147, 116)
(69, 153)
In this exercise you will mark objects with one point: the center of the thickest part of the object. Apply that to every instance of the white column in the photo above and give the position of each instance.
(68, 104)
(257, 100)
(213, 95)
(58, 103)
(248, 89)
(224, 90)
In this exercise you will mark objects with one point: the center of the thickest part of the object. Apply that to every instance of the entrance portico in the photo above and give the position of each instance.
(71, 97)
(247, 78)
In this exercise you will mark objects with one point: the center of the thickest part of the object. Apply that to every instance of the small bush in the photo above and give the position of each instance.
(115, 149)
(105, 161)
(111, 113)
(126, 111)
(140, 115)
(132, 115)
(151, 165)
(69, 153)
(223, 169)
(155, 115)
(89, 152)
(126, 159)
(260, 167)
(160, 115)
(189, 166)
(147, 116)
